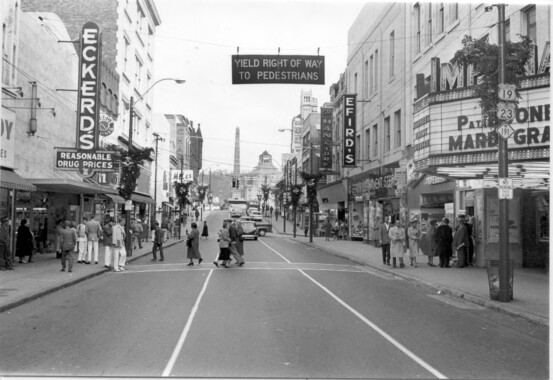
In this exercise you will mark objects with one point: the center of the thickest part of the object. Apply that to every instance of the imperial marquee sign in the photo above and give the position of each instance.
(271, 69)
(86, 159)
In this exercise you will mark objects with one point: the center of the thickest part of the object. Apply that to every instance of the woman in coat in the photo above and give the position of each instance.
(431, 242)
(224, 244)
(193, 244)
(414, 236)
(397, 243)
(205, 232)
(24, 244)
(239, 238)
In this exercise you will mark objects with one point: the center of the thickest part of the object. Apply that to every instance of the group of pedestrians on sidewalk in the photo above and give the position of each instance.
(84, 239)
(439, 240)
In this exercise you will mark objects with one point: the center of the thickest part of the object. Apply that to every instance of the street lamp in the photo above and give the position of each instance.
(291, 137)
(131, 114)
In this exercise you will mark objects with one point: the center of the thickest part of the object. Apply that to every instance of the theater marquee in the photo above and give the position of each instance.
(456, 127)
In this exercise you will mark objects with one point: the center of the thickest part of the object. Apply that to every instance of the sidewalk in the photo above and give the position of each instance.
(43, 276)
(530, 286)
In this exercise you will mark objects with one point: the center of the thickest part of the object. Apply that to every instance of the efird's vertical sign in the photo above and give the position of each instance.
(326, 138)
(349, 129)
(88, 107)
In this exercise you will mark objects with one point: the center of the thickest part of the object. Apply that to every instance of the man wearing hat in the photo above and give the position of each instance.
(5, 254)
(444, 234)
(137, 233)
(461, 241)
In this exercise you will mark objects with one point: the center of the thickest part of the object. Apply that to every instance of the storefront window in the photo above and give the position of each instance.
(542, 220)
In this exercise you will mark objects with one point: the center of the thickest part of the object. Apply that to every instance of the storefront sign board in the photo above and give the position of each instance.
(7, 139)
(326, 138)
(349, 129)
(271, 69)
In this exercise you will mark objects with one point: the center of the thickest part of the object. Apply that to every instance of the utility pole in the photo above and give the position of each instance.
(310, 199)
(128, 212)
(158, 138)
(181, 180)
(503, 159)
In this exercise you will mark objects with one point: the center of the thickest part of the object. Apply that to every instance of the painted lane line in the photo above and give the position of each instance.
(284, 258)
(182, 338)
(402, 348)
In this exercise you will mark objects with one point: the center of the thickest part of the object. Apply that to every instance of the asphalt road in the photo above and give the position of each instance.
(291, 311)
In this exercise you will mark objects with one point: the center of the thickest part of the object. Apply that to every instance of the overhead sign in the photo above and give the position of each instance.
(88, 106)
(326, 138)
(87, 163)
(270, 69)
(187, 175)
(349, 129)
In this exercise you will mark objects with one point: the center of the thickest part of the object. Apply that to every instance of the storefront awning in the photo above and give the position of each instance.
(168, 205)
(11, 180)
(142, 198)
(116, 198)
(332, 193)
(66, 185)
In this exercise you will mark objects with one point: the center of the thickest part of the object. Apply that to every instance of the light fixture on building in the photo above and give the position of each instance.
(17, 90)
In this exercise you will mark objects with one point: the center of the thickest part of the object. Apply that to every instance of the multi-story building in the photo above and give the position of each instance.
(127, 29)
(39, 104)
(264, 173)
(455, 154)
(422, 149)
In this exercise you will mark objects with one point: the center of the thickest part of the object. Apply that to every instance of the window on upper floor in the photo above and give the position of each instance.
(358, 147)
(417, 25)
(371, 75)
(507, 30)
(375, 71)
(388, 134)
(429, 24)
(453, 12)
(355, 83)
(441, 18)
(126, 55)
(375, 140)
(138, 75)
(368, 143)
(397, 126)
(529, 22)
(392, 54)
(366, 80)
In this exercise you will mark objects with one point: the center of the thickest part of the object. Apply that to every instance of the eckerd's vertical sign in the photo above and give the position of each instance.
(349, 129)
(86, 159)
(88, 110)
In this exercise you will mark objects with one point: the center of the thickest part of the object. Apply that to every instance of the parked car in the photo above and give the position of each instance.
(263, 228)
(256, 215)
(250, 230)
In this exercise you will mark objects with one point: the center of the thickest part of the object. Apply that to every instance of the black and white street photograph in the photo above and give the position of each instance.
(275, 189)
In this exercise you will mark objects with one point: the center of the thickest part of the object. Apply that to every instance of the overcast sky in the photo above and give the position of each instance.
(195, 42)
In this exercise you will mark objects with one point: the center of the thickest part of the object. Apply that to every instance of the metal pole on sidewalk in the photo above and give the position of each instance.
(504, 262)
(310, 199)
(128, 231)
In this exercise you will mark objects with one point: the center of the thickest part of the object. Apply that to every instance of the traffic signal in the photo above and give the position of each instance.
(234, 183)
(237, 183)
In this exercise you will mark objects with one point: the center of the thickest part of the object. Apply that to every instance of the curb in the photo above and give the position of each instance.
(53, 289)
(534, 318)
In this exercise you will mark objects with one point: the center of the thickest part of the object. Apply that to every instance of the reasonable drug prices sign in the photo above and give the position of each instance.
(87, 163)
(270, 69)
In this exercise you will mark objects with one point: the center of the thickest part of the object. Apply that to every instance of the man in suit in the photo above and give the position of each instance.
(385, 240)
(159, 237)
(461, 241)
(94, 233)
